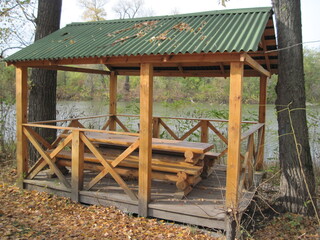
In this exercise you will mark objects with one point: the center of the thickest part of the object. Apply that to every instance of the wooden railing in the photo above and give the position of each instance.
(207, 130)
(252, 155)
(73, 136)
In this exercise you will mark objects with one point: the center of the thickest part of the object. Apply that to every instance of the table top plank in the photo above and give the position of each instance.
(157, 144)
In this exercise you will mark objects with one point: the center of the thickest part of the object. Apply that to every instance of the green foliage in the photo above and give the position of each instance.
(177, 91)
(312, 75)
(81, 86)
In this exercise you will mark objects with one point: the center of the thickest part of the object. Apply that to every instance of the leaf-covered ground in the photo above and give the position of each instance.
(289, 226)
(37, 215)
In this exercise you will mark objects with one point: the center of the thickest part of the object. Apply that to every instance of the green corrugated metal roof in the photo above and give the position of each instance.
(216, 31)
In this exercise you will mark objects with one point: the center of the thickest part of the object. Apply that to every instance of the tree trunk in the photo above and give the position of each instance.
(297, 179)
(42, 98)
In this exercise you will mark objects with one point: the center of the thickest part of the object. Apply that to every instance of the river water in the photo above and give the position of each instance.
(74, 109)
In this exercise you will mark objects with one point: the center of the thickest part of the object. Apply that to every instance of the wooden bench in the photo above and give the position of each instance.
(184, 163)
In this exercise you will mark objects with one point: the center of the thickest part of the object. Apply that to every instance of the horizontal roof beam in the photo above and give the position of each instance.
(74, 69)
(180, 58)
(188, 73)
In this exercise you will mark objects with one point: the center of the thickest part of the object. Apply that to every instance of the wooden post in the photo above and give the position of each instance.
(113, 100)
(145, 150)
(21, 108)
(262, 119)
(77, 163)
(156, 127)
(204, 131)
(234, 134)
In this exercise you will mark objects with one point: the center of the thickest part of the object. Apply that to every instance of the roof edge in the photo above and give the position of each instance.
(214, 12)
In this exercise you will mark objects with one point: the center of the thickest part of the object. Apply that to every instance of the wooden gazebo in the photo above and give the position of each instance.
(228, 43)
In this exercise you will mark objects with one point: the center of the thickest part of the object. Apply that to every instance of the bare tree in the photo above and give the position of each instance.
(127, 8)
(17, 24)
(94, 9)
(175, 11)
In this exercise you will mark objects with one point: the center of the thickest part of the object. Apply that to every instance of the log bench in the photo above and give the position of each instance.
(184, 163)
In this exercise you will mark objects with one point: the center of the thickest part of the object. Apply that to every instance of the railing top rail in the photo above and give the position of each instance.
(251, 130)
(71, 119)
(132, 115)
(183, 118)
(78, 129)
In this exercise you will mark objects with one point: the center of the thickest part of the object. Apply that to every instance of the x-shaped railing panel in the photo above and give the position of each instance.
(109, 168)
(46, 159)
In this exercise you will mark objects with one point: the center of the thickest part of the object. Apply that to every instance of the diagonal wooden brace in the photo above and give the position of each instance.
(48, 160)
(114, 163)
(108, 168)
(41, 163)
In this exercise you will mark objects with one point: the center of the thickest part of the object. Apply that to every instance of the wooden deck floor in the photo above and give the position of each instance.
(204, 206)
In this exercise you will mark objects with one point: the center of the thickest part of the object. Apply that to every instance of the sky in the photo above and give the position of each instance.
(72, 12)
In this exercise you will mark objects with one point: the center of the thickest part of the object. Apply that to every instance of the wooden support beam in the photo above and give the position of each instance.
(266, 57)
(191, 73)
(75, 69)
(145, 150)
(234, 134)
(262, 119)
(263, 99)
(151, 59)
(180, 68)
(76, 165)
(255, 65)
(222, 69)
(21, 108)
(113, 101)
(204, 131)
(156, 127)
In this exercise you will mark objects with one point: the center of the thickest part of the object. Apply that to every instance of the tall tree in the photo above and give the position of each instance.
(42, 97)
(297, 179)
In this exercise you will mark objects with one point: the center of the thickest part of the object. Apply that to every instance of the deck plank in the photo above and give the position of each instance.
(204, 206)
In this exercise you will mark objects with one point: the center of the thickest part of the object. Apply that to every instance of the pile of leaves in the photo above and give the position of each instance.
(37, 215)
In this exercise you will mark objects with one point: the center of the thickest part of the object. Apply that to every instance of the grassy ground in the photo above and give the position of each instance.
(33, 215)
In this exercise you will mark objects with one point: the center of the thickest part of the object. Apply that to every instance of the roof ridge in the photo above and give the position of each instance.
(213, 12)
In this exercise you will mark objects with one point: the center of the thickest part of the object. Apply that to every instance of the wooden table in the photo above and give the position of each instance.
(157, 144)
(174, 160)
